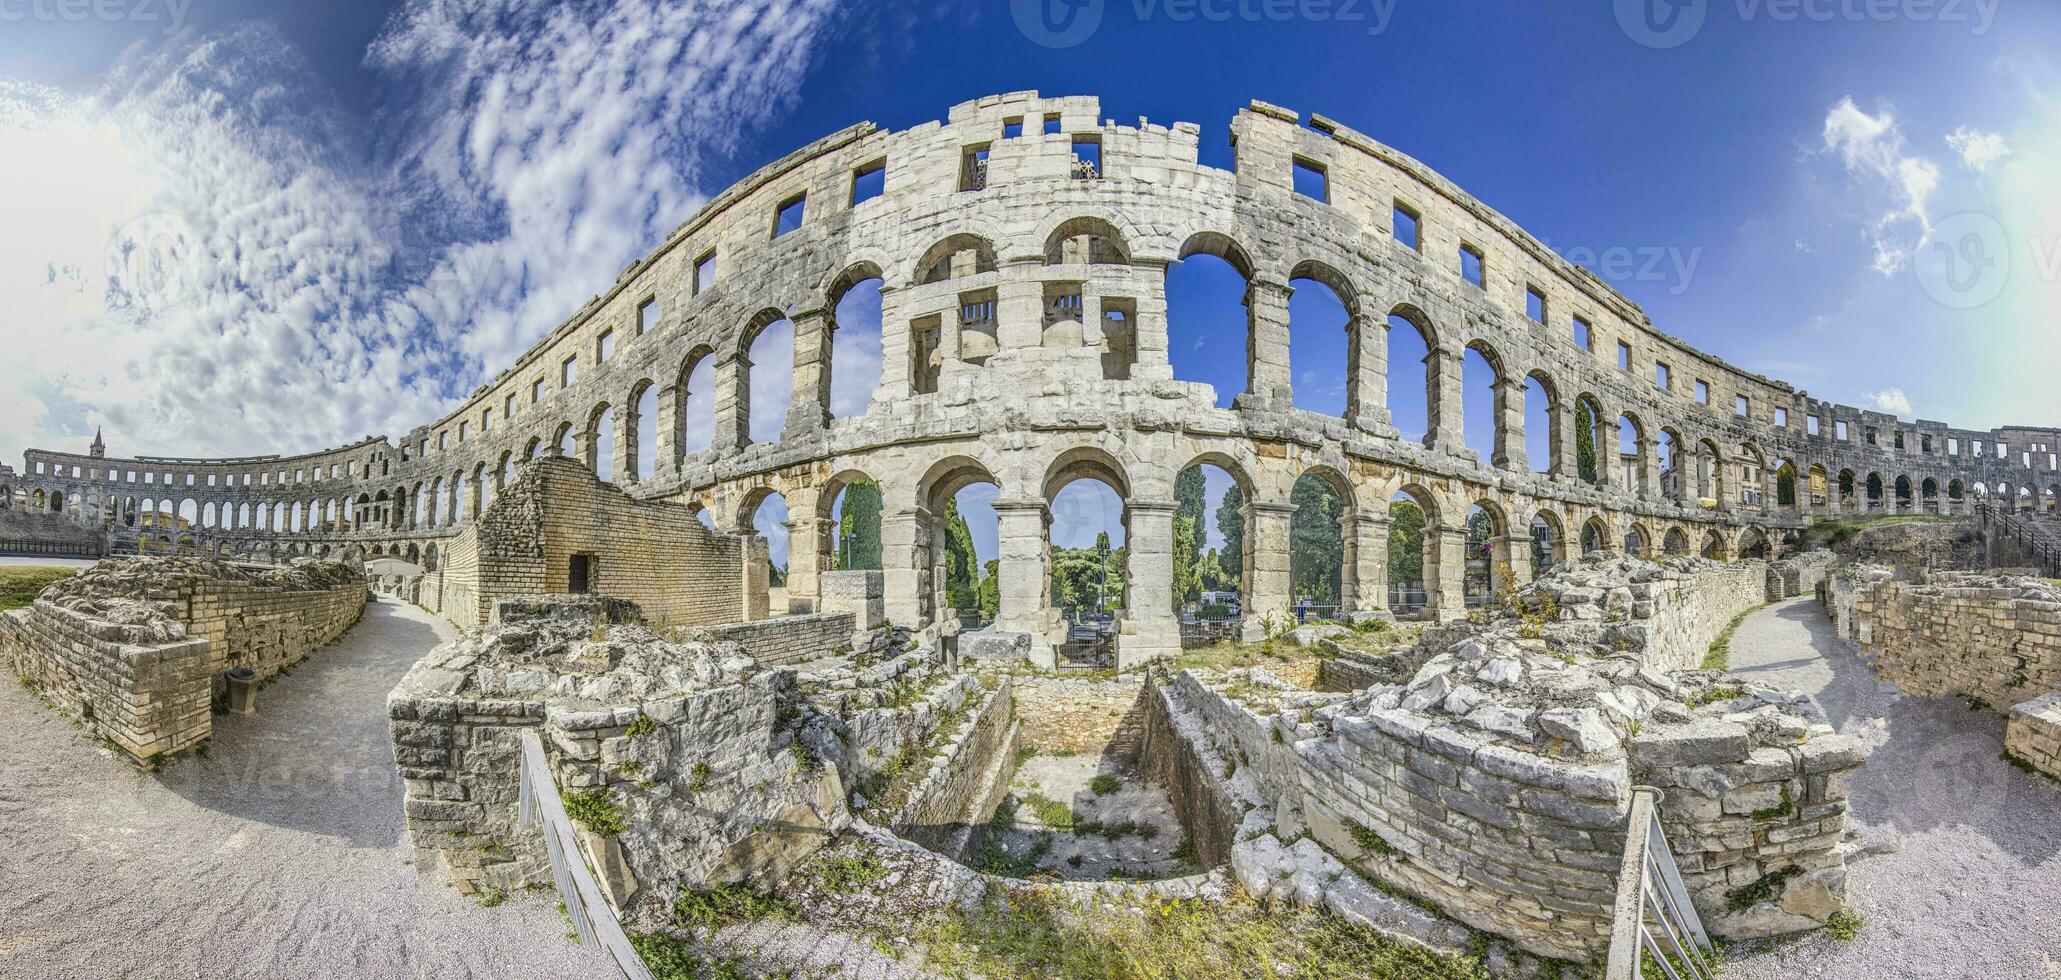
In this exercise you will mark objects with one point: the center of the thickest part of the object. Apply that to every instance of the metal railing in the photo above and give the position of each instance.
(1654, 921)
(2027, 531)
(592, 917)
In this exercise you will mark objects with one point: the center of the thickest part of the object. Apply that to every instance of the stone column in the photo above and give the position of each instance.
(894, 347)
(1019, 309)
(1149, 628)
(733, 403)
(1149, 325)
(1510, 451)
(1649, 467)
(623, 467)
(1517, 551)
(808, 405)
(1367, 379)
(1020, 569)
(1448, 432)
(671, 430)
(1367, 546)
(808, 557)
(1450, 548)
(1566, 458)
(1609, 462)
(1267, 526)
(901, 578)
(1268, 384)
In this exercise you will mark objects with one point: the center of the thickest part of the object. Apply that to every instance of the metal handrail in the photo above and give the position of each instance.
(2025, 532)
(1653, 917)
(592, 917)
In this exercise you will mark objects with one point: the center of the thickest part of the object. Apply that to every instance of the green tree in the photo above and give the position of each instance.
(1405, 542)
(1189, 509)
(1316, 550)
(858, 528)
(1231, 524)
(991, 590)
(1585, 440)
(1785, 486)
(1212, 570)
(1081, 575)
(962, 566)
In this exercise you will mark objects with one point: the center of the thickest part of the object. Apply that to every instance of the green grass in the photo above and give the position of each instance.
(1845, 924)
(1104, 784)
(847, 872)
(596, 811)
(21, 584)
(1033, 935)
(1720, 655)
(725, 905)
(1051, 812)
(669, 958)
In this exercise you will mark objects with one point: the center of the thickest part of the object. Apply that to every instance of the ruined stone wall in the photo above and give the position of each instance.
(968, 776)
(1799, 575)
(2033, 734)
(651, 553)
(135, 648)
(789, 639)
(148, 694)
(1996, 639)
(24, 532)
(1667, 612)
(1177, 752)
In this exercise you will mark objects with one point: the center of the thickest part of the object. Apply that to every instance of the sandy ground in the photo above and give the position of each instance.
(1066, 779)
(278, 855)
(1957, 871)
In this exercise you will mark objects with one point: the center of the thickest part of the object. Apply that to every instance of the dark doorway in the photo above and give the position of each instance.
(580, 577)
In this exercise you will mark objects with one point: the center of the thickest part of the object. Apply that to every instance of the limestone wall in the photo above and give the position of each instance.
(1667, 612)
(2034, 734)
(652, 553)
(967, 778)
(1799, 575)
(136, 648)
(1194, 768)
(1997, 639)
(789, 639)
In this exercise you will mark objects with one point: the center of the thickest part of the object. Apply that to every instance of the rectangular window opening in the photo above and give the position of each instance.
(1739, 406)
(1534, 304)
(1703, 392)
(647, 316)
(869, 182)
(1624, 356)
(1470, 266)
(1403, 225)
(1087, 157)
(1051, 124)
(1582, 334)
(1311, 180)
(705, 272)
(1012, 127)
(789, 215)
(973, 168)
(604, 346)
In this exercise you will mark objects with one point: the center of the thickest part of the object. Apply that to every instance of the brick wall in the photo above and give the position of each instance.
(149, 698)
(790, 639)
(652, 553)
(1997, 639)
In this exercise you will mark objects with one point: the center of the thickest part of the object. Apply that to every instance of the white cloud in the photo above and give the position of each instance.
(1978, 150)
(1900, 185)
(1891, 400)
(225, 262)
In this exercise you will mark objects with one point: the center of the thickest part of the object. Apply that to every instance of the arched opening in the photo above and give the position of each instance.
(1595, 537)
(601, 436)
(1820, 488)
(1631, 449)
(1676, 483)
(1785, 484)
(1635, 542)
(189, 512)
(770, 347)
(1875, 489)
(1085, 565)
(1542, 433)
(1710, 470)
(1588, 417)
(641, 459)
(1903, 493)
(855, 341)
(1412, 555)
(1548, 544)
(1675, 542)
(1752, 476)
(1410, 343)
(1753, 543)
(1209, 550)
(1486, 569)
(1320, 314)
(956, 257)
(855, 525)
(1317, 549)
(1714, 546)
(1086, 241)
(768, 518)
(1208, 319)
(695, 403)
(1481, 395)
(1847, 490)
(567, 441)
(965, 549)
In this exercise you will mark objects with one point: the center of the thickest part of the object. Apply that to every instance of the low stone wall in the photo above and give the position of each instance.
(27, 533)
(968, 776)
(1667, 612)
(1799, 575)
(2033, 734)
(789, 639)
(1195, 768)
(136, 648)
(1996, 639)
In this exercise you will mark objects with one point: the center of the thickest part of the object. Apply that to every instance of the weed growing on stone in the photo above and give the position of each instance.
(669, 958)
(595, 810)
(1104, 784)
(1049, 811)
(641, 727)
(698, 777)
(1720, 655)
(845, 872)
(1367, 840)
(725, 905)
(1185, 853)
(1844, 924)
(1783, 809)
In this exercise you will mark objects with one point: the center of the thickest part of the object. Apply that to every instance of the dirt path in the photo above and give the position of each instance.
(1957, 869)
(279, 855)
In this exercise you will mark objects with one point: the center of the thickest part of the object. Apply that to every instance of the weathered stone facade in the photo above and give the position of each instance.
(1995, 639)
(136, 649)
(2033, 734)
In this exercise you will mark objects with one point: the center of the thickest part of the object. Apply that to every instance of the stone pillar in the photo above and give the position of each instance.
(1566, 458)
(1448, 432)
(756, 580)
(894, 347)
(1609, 462)
(1510, 451)
(1267, 526)
(733, 403)
(1020, 569)
(1367, 378)
(1149, 628)
(1019, 310)
(1367, 565)
(808, 404)
(1517, 551)
(1450, 548)
(671, 430)
(623, 467)
(1149, 325)
(900, 533)
(1649, 468)
(808, 557)
(1268, 384)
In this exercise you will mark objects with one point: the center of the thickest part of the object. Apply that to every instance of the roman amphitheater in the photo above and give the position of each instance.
(1460, 770)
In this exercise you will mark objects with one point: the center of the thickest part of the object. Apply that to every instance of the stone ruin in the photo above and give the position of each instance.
(137, 649)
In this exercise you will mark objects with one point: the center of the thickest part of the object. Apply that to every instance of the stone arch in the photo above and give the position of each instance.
(693, 431)
(1548, 540)
(1220, 245)
(1676, 542)
(638, 449)
(1418, 596)
(1596, 536)
(742, 381)
(1877, 492)
(1754, 543)
(597, 443)
(1587, 419)
(1543, 442)
(1424, 378)
(1085, 462)
(1710, 471)
(1086, 240)
(1486, 570)
(1501, 453)
(1903, 490)
(940, 262)
(1308, 495)
(938, 485)
(1638, 542)
(1714, 546)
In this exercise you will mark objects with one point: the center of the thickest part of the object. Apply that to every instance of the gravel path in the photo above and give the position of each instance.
(1957, 867)
(279, 855)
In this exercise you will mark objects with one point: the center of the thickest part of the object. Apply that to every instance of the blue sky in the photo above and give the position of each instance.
(374, 208)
